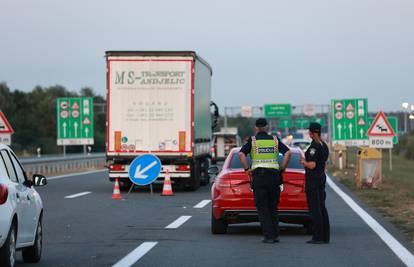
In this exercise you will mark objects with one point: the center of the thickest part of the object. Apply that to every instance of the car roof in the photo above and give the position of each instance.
(2, 146)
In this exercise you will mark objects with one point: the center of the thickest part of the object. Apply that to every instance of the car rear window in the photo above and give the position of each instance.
(294, 162)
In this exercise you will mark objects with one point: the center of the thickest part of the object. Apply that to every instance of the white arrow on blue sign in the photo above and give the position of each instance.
(144, 169)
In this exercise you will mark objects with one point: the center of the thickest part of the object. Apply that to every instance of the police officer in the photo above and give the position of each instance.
(314, 162)
(264, 173)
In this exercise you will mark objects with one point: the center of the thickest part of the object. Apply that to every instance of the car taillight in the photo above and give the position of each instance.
(4, 193)
(223, 183)
(116, 167)
(182, 168)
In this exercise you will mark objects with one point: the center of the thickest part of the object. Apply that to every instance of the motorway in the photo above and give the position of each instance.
(83, 226)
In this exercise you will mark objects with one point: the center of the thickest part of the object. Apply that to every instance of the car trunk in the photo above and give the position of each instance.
(293, 196)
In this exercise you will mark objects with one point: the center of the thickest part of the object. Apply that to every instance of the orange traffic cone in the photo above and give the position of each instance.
(167, 189)
(116, 194)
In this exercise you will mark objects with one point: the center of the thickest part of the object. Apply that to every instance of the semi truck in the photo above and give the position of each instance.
(159, 102)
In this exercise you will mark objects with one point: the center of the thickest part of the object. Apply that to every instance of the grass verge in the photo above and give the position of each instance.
(395, 200)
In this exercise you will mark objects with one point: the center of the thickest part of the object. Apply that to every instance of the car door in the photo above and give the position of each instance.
(16, 196)
(28, 198)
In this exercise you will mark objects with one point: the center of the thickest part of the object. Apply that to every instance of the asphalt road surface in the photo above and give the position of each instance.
(83, 226)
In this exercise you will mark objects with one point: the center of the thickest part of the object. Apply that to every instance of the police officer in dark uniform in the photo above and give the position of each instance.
(265, 175)
(314, 162)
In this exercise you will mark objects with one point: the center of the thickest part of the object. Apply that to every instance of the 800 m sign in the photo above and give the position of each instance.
(380, 142)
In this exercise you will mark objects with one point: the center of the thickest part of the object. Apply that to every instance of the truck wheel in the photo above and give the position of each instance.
(219, 226)
(194, 183)
(8, 250)
(124, 185)
(34, 253)
(205, 176)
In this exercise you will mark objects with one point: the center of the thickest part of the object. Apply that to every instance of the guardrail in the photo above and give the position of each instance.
(50, 165)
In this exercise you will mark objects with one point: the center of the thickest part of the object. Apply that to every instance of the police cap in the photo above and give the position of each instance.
(315, 127)
(261, 122)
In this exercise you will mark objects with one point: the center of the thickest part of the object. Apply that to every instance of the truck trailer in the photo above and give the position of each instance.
(158, 102)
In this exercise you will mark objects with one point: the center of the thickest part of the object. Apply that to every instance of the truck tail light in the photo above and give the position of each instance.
(116, 167)
(213, 152)
(182, 168)
(4, 193)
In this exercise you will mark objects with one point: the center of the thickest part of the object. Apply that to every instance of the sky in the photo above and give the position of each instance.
(261, 52)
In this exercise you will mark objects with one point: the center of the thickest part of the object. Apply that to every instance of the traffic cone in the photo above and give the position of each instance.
(116, 194)
(167, 189)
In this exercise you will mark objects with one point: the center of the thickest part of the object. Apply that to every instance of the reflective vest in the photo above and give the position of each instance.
(264, 153)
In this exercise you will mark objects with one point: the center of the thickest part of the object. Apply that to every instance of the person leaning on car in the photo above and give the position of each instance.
(265, 175)
(314, 162)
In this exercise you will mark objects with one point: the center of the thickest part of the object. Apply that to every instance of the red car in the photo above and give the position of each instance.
(232, 198)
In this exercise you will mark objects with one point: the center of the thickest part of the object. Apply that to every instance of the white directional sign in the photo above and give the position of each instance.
(246, 111)
(381, 133)
(144, 169)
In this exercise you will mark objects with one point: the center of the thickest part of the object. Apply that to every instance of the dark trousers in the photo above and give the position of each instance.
(316, 196)
(266, 193)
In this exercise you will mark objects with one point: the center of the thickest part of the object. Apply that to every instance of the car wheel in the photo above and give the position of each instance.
(308, 227)
(218, 226)
(8, 250)
(34, 253)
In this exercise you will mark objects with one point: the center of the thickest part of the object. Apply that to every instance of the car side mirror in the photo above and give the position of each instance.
(39, 180)
(213, 170)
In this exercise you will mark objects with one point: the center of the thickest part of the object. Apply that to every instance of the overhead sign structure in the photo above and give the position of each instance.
(393, 120)
(5, 130)
(350, 122)
(285, 123)
(277, 110)
(302, 123)
(144, 169)
(380, 132)
(309, 110)
(75, 121)
(246, 111)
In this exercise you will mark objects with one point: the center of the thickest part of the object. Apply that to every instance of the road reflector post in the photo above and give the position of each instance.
(369, 168)
(339, 156)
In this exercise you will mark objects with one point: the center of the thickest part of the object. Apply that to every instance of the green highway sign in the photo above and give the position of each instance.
(321, 121)
(277, 110)
(394, 124)
(285, 123)
(302, 123)
(350, 121)
(74, 121)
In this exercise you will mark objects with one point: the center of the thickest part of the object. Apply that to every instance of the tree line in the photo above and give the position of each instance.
(32, 115)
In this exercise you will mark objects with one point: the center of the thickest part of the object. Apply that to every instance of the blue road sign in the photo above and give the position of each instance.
(144, 169)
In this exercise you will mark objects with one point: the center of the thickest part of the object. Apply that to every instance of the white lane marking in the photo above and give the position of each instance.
(202, 204)
(177, 223)
(78, 195)
(74, 174)
(404, 254)
(135, 255)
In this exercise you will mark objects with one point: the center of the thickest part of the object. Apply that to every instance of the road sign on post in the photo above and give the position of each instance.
(393, 120)
(380, 132)
(75, 121)
(350, 121)
(277, 110)
(144, 169)
(5, 130)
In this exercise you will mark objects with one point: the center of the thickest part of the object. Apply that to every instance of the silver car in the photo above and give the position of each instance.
(21, 211)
